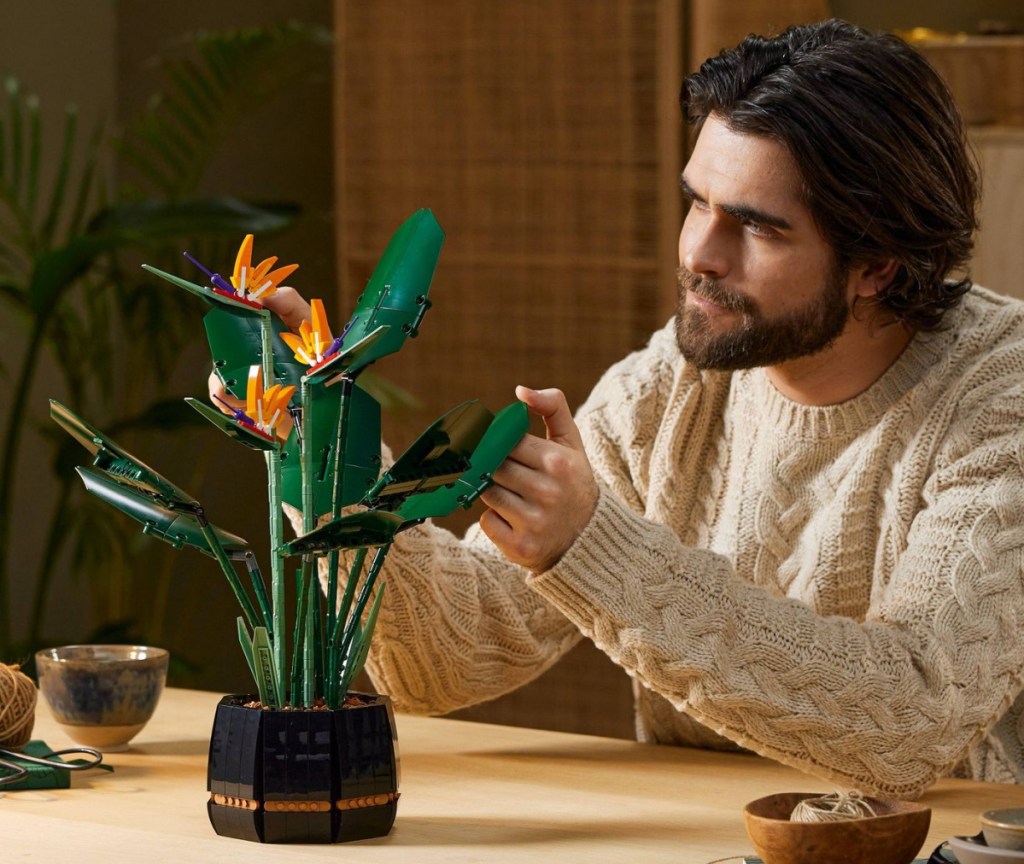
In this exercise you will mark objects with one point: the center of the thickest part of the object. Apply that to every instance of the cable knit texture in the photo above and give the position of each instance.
(837, 588)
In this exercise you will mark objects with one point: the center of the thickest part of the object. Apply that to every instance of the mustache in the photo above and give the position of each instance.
(711, 289)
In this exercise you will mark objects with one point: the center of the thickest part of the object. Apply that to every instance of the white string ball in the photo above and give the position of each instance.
(837, 807)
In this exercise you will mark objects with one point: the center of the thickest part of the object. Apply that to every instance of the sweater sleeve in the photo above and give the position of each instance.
(458, 624)
(886, 705)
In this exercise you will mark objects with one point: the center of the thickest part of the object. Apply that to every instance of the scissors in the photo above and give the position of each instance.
(95, 758)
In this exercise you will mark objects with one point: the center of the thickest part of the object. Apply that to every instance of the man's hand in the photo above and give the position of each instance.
(292, 309)
(545, 492)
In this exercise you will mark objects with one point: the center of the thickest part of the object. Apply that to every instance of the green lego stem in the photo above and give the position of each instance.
(350, 589)
(229, 571)
(298, 632)
(306, 456)
(308, 648)
(340, 442)
(259, 588)
(332, 617)
(305, 642)
(318, 642)
(341, 437)
(364, 595)
(277, 586)
(340, 614)
(361, 645)
(332, 558)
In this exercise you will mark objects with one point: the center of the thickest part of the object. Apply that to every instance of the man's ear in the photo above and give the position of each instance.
(871, 278)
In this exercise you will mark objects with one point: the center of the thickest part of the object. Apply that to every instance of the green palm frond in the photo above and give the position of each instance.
(210, 92)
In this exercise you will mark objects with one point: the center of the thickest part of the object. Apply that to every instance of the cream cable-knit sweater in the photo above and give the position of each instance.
(839, 588)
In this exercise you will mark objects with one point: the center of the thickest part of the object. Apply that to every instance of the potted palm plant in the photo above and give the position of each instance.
(305, 759)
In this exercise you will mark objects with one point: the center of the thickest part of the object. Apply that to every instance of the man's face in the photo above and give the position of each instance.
(758, 284)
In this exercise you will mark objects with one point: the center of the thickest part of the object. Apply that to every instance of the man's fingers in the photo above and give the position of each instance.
(497, 529)
(553, 409)
(288, 305)
(545, 492)
(219, 395)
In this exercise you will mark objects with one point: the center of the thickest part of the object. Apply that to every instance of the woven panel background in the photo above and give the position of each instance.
(714, 25)
(545, 137)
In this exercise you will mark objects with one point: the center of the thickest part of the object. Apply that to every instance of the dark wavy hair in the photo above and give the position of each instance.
(879, 143)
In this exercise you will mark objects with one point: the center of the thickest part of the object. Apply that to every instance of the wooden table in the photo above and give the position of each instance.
(471, 792)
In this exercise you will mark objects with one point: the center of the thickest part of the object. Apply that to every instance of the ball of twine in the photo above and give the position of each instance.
(17, 707)
(837, 807)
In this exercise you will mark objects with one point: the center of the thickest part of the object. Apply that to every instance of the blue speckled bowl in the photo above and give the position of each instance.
(102, 695)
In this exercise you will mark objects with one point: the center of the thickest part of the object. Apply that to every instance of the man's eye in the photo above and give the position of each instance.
(760, 230)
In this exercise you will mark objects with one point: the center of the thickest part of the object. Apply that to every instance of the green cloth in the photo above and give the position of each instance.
(39, 776)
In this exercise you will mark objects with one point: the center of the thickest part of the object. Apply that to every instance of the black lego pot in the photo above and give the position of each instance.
(303, 776)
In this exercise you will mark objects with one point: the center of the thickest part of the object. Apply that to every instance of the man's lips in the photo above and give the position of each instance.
(702, 302)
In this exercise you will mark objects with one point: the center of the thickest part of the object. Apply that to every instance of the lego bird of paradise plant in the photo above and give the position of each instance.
(329, 466)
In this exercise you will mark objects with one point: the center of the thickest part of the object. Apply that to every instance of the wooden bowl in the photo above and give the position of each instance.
(894, 836)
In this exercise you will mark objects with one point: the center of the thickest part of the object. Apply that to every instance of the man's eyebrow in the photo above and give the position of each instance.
(740, 212)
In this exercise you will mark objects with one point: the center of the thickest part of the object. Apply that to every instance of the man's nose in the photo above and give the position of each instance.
(703, 249)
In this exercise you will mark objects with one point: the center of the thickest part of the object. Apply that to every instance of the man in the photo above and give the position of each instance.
(797, 517)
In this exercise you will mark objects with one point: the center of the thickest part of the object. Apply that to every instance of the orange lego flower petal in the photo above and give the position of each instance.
(253, 390)
(277, 276)
(261, 270)
(298, 348)
(268, 398)
(243, 261)
(320, 325)
(263, 284)
(276, 400)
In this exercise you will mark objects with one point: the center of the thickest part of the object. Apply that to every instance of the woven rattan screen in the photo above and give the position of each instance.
(545, 137)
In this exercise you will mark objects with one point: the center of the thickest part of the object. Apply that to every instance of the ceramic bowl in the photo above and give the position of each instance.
(972, 850)
(102, 695)
(894, 836)
(1004, 829)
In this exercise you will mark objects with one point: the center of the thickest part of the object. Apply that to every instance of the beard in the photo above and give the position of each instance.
(757, 340)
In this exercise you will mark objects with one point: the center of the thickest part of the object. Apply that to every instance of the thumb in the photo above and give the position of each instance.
(550, 405)
(289, 306)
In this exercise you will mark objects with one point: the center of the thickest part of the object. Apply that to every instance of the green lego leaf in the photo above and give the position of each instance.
(437, 458)
(116, 461)
(510, 424)
(266, 675)
(242, 433)
(366, 528)
(210, 295)
(177, 527)
(398, 289)
(236, 344)
(246, 642)
(331, 370)
(361, 447)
